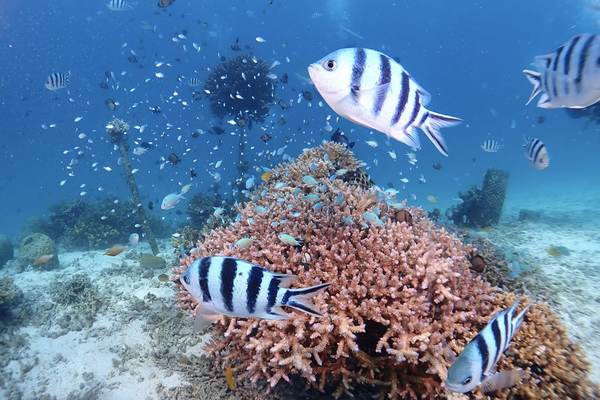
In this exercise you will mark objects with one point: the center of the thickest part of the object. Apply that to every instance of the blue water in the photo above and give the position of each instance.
(469, 57)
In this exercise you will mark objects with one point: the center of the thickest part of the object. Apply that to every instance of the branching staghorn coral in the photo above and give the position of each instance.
(401, 289)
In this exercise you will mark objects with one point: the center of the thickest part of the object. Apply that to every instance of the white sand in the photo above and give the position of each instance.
(575, 224)
(111, 359)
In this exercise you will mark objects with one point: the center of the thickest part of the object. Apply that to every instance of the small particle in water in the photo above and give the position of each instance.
(432, 199)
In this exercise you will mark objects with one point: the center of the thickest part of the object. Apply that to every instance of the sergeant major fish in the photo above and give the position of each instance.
(475, 365)
(569, 76)
(57, 80)
(371, 89)
(237, 288)
(536, 152)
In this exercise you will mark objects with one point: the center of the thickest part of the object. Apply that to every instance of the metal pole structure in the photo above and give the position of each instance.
(116, 130)
(135, 193)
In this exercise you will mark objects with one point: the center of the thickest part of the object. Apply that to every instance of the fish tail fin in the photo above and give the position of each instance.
(300, 299)
(431, 127)
(535, 78)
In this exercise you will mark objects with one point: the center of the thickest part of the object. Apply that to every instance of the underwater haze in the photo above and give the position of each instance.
(138, 137)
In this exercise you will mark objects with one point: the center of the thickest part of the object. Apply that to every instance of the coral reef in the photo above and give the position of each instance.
(482, 207)
(94, 225)
(6, 250)
(10, 295)
(239, 87)
(400, 293)
(82, 299)
(38, 245)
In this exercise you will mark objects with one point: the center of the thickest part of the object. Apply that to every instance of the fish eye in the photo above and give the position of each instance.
(467, 381)
(186, 279)
(329, 65)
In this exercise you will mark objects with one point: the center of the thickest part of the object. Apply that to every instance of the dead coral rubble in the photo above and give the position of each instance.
(400, 293)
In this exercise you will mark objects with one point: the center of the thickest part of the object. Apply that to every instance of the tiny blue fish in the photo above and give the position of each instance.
(372, 218)
(312, 197)
(309, 180)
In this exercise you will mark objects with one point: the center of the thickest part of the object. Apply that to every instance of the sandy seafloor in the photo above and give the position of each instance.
(139, 345)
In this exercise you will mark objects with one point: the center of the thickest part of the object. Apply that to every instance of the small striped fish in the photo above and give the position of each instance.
(475, 365)
(57, 80)
(536, 152)
(119, 5)
(371, 89)
(237, 288)
(194, 82)
(569, 76)
(491, 146)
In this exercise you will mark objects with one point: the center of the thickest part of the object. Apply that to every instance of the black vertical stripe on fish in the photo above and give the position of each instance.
(497, 339)
(423, 118)
(507, 327)
(228, 272)
(358, 69)
(416, 109)
(272, 293)
(545, 84)
(483, 352)
(537, 152)
(404, 89)
(254, 283)
(203, 270)
(385, 76)
(582, 60)
(567, 59)
(556, 58)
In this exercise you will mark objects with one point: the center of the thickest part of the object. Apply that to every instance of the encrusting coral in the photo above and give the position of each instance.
(401, 291)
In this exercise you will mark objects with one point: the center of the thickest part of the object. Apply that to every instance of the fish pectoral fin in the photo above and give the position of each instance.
(204, 317)
(351, 109)
(502, 380)
(286, 279)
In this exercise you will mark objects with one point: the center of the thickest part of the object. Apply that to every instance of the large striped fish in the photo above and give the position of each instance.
(536, 152)
(237, 288)
(568, 77)
(371, 89)
(476, 364)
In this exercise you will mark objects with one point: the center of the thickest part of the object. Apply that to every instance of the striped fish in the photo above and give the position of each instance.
(119, 5)
(57, 80)
(475, 365)
(568, 77)
(491, 146)
(371, 89)
(536, 152)
(237, 288)
(194, 82)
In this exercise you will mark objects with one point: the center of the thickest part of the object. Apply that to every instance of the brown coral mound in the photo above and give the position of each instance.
(399, 293)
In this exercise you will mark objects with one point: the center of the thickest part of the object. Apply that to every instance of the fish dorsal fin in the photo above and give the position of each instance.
(543, 61)
(286, 279)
